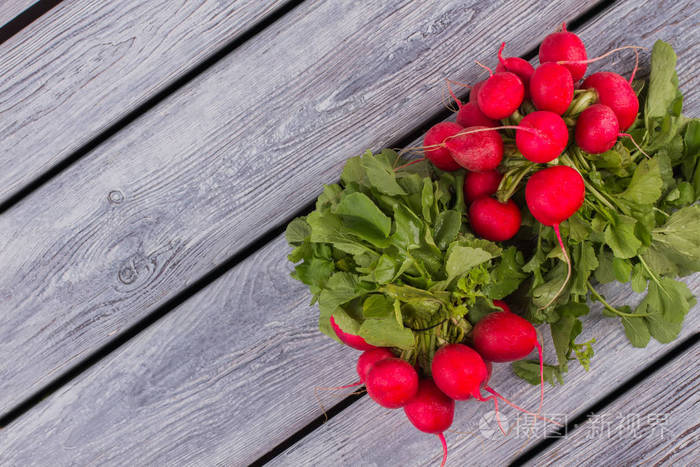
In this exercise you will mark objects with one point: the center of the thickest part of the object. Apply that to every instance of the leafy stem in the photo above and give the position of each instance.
(611, 308)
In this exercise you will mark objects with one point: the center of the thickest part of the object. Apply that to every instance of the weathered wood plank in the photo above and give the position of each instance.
(230, 374)
(81, 67)
(196, 179)
(221, 379)
(9, 9)
(654, 424)
(350, 439)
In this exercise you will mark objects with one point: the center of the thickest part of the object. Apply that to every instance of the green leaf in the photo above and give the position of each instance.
(584, 352)
(447, 226)
(427, 200)
(377, 306)
(353, 172)
(622, 269)
(667, 301)
(646, 183)
(663, 82)
(386, 332)
(530, 372)
(605, 273)
(341, 288)
(363, 218)
(297, 231)
(461, 259)
(507, 276)
(585, 261)
(681, 232)
(381, 176)
(639, 280)
(620, 237)
(637, 331)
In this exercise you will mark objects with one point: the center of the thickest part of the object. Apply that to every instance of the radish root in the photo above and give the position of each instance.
(538, 417)
(591, 60)
(441, 436)
(627, 135)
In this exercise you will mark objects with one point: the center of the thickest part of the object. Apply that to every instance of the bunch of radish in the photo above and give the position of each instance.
(553, 193)
(536, 104)
(458, 372)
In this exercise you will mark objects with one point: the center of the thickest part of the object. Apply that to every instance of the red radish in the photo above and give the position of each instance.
(369, 358)
(479, 184)
(553, 195)
(564, 46)
(440, 156)
(522, 68)
(502, 305)
(392, 382)
(552, 88)
(494, 220)
(459, 371)
(547, 142)
(475, 92)
(351, 340)
(504, 337)
(597, 129)
(615, 92)
(431, 411)
(501, 95)
(478, 151)
(469, 115)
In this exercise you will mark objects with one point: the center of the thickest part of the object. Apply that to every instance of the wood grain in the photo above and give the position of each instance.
(234, 153)
(9, 9)
(230, 374)
(657, 423)
(350, 438)
(221, 379)
(83, 65)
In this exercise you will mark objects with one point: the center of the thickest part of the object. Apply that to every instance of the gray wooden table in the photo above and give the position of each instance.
(152, 153)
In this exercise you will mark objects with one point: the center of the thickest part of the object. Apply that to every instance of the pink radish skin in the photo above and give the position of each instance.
(369, 358)
(478, 152)
(504, 337)
(440, 156)
(522, 68)
(351, 340)
(480, 184)
(501, 95)
(392, 383)
(494, 220)
(554, 194)
(475, 92)
(548, 142)
(597, 129)
(469, 115)
(615, 92)
(459, 371)
(552, 88)
(431, 411)
(564, 46)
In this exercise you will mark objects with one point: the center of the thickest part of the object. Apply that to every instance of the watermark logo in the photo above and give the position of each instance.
(488, 424)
